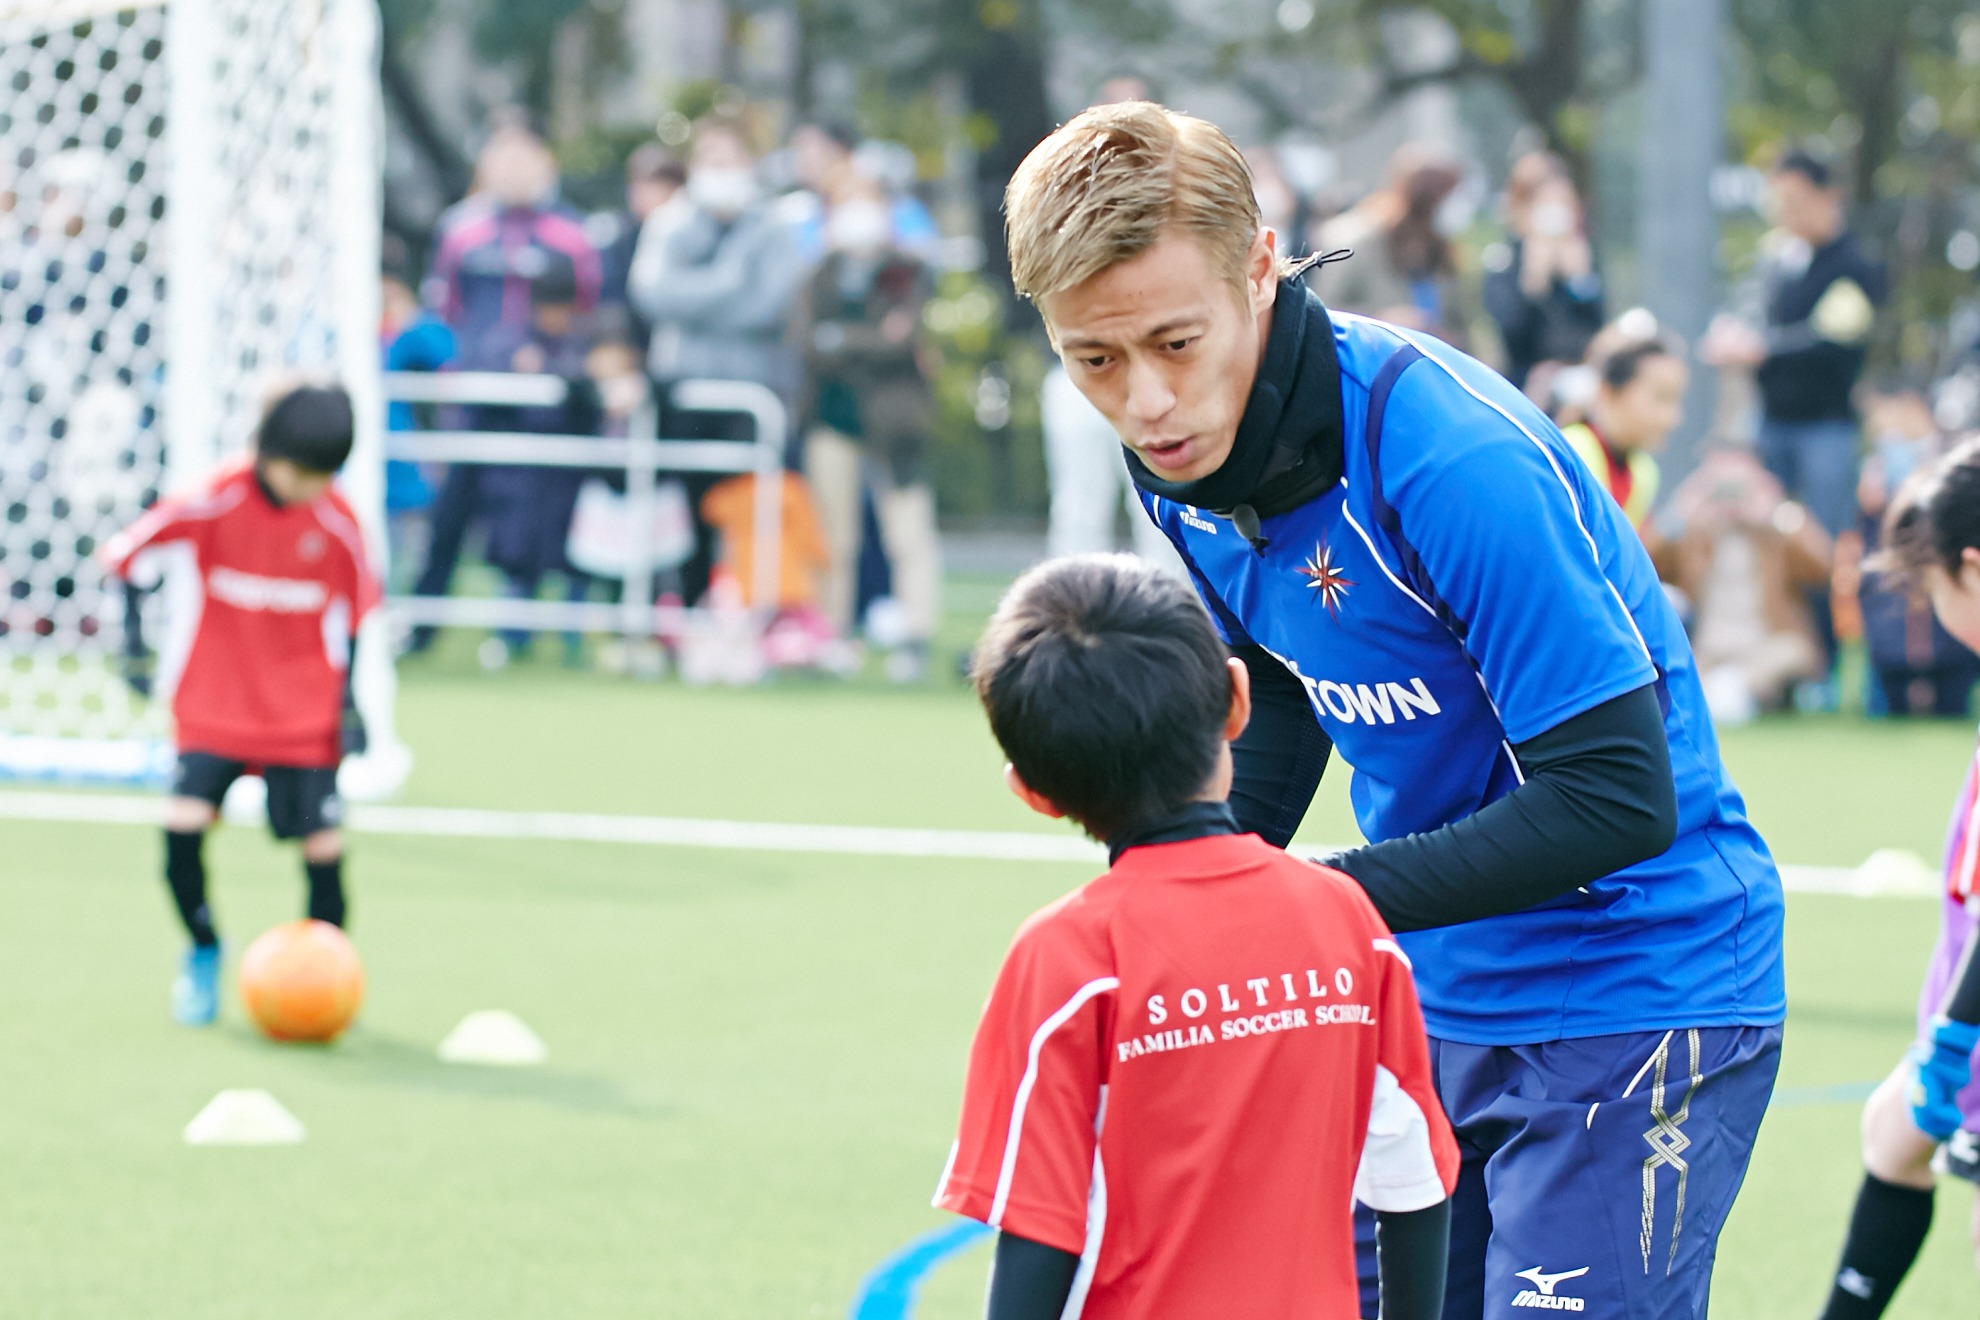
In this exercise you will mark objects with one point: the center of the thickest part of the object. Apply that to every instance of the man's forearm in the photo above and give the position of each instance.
(1278, 762)
(1598, 797)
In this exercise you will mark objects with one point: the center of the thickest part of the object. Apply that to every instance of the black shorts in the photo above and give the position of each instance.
(301, 799)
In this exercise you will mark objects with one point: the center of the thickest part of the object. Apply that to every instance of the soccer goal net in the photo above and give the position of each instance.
(189, 205)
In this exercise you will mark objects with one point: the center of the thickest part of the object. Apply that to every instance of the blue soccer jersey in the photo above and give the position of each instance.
(1465, 587)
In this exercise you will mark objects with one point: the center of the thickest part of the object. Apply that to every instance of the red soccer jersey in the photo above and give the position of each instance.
(257, 670)
(1187, 1072)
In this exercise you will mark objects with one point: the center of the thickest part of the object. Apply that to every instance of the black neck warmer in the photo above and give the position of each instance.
(1288, 446)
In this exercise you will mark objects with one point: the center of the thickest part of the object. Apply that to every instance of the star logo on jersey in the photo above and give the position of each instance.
(311, 546)
(1323, 576)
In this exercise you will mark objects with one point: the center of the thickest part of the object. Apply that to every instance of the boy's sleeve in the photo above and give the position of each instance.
(1509, 530)
(165, 521)
(1409, 1160)
(367, 591)
(1023, 1158)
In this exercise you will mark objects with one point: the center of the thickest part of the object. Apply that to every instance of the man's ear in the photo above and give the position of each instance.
(1240, 712)
(1030, 796)
(1261, 270)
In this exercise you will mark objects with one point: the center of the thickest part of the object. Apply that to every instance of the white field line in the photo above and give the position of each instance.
(748, 836)
(578, 827)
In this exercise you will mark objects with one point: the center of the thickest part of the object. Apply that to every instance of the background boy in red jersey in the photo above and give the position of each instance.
(259, 673)
(1190, 1068)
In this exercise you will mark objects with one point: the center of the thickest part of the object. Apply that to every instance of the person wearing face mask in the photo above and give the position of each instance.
(1820, 294)
(1916, 666)
(1542, 288)
(716, 281)
(868, 407)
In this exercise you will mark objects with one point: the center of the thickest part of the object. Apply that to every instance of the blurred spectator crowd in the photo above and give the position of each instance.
(808, 271)
(815, 291)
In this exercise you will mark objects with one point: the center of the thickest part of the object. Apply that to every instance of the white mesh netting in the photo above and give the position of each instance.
(170, 230)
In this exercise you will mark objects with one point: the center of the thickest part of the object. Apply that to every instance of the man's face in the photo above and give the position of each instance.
(1800, 206)
(1163, 346)
(517, 169)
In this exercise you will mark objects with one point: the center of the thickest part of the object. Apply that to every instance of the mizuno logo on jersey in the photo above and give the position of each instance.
(1542, 1296)
(247, 591)
(1194, 519)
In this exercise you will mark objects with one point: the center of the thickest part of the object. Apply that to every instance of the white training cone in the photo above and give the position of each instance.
(244, 1118)
(493, 1035)
(1895, 871)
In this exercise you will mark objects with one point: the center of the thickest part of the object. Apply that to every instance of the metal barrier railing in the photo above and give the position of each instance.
(644, 456)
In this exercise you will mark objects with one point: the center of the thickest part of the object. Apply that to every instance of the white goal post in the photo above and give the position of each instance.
(189, 205)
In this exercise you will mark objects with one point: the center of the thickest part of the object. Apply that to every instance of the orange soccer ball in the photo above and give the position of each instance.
(302, 981)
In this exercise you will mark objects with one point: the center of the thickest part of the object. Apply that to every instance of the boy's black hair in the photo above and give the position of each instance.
(309, 425)
(1106, 686)
(1935, 518)
(1800, 160)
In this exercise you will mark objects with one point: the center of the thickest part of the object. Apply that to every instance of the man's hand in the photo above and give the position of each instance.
(1941, 1068)
(1731, 342)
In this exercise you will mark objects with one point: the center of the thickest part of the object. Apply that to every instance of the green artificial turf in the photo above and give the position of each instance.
(755, 1057)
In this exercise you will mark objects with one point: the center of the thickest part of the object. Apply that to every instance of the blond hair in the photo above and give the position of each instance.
(1104, 188)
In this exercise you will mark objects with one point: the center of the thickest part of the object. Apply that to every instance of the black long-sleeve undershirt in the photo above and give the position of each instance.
(1598, 797)
(1031, 1281)
(1963, 1003)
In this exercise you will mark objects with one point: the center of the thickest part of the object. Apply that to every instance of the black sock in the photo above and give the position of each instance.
(326, 890)
(1886, 1230)
(185, 872)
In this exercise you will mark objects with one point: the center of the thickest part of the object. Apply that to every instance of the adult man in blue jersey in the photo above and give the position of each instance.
(1417, 572)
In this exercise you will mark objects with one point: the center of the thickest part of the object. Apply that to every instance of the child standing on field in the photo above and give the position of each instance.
(1191, 1068)
(262, 685)
(1932, 539)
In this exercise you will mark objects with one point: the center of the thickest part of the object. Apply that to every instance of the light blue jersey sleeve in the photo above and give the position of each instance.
(1513, 540)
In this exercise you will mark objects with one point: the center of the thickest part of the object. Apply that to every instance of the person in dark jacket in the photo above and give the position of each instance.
(1542, 287)
(1820, 295)
(654, 177)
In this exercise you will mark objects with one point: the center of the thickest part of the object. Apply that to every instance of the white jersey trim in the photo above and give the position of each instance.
(1096, 1222)
(1015, 1135)
(1398, 1171)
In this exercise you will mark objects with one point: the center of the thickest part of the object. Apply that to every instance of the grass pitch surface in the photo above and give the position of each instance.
(755, 1057)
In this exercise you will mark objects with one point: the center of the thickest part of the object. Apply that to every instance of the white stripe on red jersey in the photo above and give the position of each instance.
(1963, 844)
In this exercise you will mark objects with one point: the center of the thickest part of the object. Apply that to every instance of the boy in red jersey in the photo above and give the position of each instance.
(1190, 1068)
(260, 681)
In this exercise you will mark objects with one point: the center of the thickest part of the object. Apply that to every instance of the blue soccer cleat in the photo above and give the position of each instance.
(196, 989)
